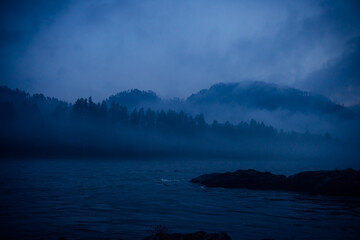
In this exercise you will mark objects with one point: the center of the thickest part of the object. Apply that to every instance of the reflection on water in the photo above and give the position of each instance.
(126, 198)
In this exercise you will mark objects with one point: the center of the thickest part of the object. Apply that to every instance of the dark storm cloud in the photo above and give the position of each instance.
(340, 77)
(20, 20)
(175, 48)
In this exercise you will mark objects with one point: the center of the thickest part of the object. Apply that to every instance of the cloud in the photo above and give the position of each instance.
(340, 77)
(173, 47)
(20, 21)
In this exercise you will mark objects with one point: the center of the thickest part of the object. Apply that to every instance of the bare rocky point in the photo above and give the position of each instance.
(332, 183)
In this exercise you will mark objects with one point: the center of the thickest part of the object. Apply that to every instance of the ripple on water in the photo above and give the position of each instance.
(127, 198)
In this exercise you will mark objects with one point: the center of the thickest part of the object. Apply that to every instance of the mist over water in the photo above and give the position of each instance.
(109, 108)
(116, 170)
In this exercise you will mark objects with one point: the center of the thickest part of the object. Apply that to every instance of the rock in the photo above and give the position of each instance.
(188, 236)
(251, 179)
(336, 183)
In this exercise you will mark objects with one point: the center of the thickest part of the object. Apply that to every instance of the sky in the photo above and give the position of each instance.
(71, 48)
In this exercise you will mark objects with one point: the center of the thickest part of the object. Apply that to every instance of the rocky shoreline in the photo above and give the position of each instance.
(332, 183)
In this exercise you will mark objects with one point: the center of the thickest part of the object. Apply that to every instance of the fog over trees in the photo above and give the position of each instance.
(118, 127)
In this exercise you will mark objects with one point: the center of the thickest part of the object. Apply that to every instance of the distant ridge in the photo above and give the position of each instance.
(268, 96)
(19, 97)
(249, 95)
(133, 98)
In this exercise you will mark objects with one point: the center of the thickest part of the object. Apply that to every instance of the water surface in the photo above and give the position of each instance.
(125, 199)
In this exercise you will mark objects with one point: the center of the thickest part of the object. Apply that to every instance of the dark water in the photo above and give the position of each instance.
(125, 199)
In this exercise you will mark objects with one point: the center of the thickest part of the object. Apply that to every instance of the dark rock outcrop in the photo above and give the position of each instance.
(189, 236)
(251, 179)
(335, 183)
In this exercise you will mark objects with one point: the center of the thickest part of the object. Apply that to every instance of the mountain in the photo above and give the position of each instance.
(134, 98)
(239, 101)
(282, 107)
(247, 96)
(19, 99)
(35, 125)
(270, 97)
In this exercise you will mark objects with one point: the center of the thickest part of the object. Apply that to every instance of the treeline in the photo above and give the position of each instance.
(170, 122)
(36, 125)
